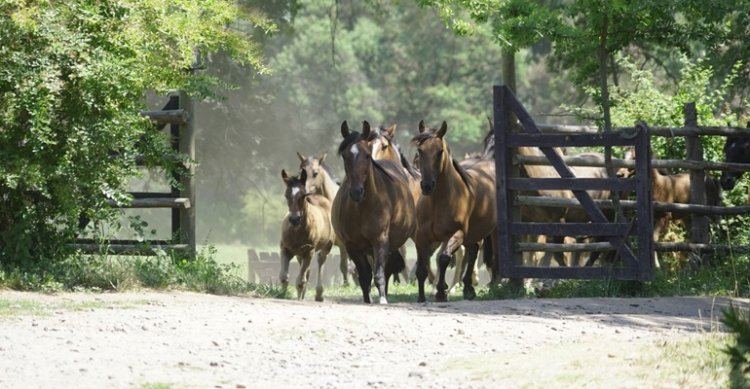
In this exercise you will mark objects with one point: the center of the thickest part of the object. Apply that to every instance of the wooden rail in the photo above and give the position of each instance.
(154, 202)
(171, 116)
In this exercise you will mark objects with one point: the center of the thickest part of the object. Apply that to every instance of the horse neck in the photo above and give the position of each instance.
(329, 187)
(449, 179)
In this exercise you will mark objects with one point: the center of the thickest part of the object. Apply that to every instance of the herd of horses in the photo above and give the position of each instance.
(439, 202)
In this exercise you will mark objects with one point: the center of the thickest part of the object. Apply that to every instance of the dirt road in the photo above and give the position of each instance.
(178, 340)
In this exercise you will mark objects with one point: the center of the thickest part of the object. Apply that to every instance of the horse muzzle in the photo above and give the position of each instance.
(357, 194)
(295, 220)
(427, 187)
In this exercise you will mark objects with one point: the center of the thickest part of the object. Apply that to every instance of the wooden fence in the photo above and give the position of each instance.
(181, 201)
(699, 239)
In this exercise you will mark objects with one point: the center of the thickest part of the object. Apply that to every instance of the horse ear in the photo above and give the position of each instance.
(284, 176)
(301, 157)
(303, 175)
(345, 129)
(323, 157)
(489, 121)
(443, 129)
(365, 129)
(391, 130)
(421, 126)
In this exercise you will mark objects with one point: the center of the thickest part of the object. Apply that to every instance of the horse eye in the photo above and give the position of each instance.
(315, 174)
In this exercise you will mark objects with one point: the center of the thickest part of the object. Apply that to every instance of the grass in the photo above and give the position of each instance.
(694, 363)
(18, 307)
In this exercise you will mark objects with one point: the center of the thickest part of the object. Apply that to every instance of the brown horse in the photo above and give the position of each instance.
(457, 208)
(306, 231)
(373, 212)
(568, 215)
(320, 181)
(675, 188)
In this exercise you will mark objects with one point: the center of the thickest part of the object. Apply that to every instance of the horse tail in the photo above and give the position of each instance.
(395, 264)
(488, 257)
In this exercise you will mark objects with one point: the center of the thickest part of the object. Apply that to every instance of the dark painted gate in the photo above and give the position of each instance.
(631, 238)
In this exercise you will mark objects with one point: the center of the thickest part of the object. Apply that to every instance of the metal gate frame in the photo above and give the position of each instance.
(636, 255)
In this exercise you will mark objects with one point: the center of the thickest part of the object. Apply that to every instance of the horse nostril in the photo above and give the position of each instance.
(295, 220)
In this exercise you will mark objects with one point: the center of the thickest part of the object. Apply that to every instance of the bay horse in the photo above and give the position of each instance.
(457, 208)
(373, 211)
(320, 180)
(306, 232)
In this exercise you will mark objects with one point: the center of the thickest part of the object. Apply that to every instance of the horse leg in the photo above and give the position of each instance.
(344, 264)
(364, 273)
(470, 258)
(286, 256)
(445, 257)
(559, 257)
(380, 253)
(322, 256)
(304, 273)
(459, 264)
(424, 252)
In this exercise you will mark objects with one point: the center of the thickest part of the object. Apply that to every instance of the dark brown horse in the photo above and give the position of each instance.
(737, 150)
(320, 181)
(306, 232)
(457, 208)
(373, 211)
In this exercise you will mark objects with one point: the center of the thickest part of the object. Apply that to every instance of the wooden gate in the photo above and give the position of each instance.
(631, 238)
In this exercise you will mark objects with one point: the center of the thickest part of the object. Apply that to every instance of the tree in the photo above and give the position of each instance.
(73, 76)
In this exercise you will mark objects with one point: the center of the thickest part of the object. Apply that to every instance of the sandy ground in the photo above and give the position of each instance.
(177, 339)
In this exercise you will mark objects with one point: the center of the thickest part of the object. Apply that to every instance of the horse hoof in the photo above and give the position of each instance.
(421, 299)
(383, 300)
(319, 298)
(441, 297)
(469, 294)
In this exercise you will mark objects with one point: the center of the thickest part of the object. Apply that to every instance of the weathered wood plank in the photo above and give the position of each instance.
(154, 202)
(172, 116)
(574, 272)
(126, 249)
(545, 201)
(624, 163)
(567, 140)
(618, 184)
(570, 229)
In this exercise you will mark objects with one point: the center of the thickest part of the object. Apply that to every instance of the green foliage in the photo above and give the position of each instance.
(738, 322)
(124, 272)
(72, 79)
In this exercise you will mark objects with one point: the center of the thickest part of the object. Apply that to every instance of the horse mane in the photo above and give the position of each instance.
(430, 134)
(355, 137)
(462, 172)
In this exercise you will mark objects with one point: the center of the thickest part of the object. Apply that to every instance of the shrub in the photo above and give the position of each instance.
(72, 79)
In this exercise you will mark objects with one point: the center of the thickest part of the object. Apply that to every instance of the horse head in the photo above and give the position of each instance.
(737, 150)
(314, 168)
(356, 152)
(432, 151)
(296, 196)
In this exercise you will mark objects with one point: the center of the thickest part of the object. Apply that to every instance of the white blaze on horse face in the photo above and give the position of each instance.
(295, 190)
(354, 150)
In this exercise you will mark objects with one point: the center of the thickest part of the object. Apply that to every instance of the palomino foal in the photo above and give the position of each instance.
(305, 232)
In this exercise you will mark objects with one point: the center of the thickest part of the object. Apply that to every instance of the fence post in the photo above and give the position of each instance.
(699, 223)
(187, 147)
